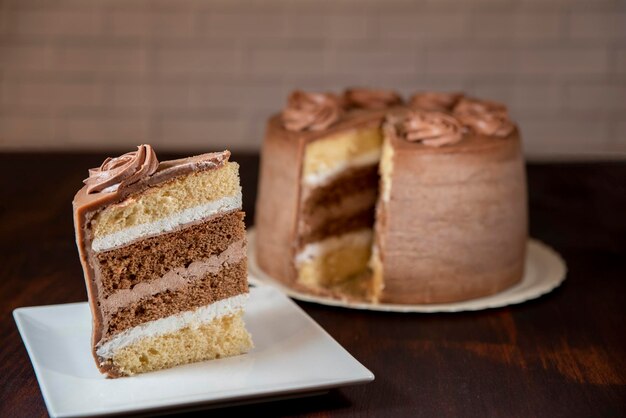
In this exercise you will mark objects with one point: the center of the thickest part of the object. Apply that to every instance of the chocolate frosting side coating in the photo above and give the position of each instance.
(311, 111)
(433, 129)
(442, 102)
(122, 171)
(361, 98)
(468, 238)
(484, 117)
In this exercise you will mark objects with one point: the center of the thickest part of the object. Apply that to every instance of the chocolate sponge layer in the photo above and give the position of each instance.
(353, 181)
(318, 220)
(151, 258)
(339, 226)
(231, 280)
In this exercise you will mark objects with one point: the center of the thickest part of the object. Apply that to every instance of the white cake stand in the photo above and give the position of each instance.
(544, 271)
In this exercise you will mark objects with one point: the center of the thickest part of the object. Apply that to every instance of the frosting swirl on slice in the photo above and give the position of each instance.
(433, 129)
(118, 172)
(311, 111)
(441, 102)
(484, 117)
(361, 98)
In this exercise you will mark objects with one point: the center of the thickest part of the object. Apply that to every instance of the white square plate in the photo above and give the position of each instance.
(292, 355)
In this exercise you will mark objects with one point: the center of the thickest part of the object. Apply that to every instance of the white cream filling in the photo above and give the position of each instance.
(166, 224)
(360, 238)
(324, 176)
(173, 323)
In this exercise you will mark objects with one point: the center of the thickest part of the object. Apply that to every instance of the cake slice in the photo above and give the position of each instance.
(163, 251)
(318, 187)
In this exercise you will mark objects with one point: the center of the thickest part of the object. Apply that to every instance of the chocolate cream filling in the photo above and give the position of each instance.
(176, 278)
(343, 205)
(230, 280)
(352, 181)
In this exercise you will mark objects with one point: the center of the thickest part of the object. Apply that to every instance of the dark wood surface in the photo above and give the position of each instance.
(562, 355)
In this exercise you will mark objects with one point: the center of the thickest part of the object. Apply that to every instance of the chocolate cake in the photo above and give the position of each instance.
(450, 219)
(163, 251)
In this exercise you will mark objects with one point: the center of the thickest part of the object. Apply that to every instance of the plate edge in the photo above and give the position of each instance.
(366, 375)
(18, 318)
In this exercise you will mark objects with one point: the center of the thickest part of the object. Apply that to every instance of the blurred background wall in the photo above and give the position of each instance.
(192, 75)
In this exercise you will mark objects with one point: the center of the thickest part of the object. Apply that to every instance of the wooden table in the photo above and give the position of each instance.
(560, 356)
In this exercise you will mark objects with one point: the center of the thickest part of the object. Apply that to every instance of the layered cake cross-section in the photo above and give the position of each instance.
(318, 188)
(163, 250)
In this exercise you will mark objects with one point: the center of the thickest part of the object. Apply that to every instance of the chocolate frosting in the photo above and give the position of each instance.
(468, 238)
(484, 117)
(122, 171)
(442, 102)
(311, 111)
(433, 129)
(361, 98)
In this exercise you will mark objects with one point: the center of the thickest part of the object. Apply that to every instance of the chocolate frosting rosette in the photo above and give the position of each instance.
(361, 98)
(122, 171)
(433, 129)
(435, 101)
(484, 117)
(311, 111)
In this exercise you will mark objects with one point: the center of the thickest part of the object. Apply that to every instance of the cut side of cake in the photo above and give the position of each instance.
(330, 148)
(429, 209)
(337, 199)
(163, 250)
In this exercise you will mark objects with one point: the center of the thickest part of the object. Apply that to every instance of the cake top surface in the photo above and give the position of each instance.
(135, 171)
(484, 117)
(362, 98)
(437, 101)
(431, 128)
(308, 116)
(440, 120)
(311, 111)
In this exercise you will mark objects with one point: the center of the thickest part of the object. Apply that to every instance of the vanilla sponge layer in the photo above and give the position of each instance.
(325, 176)
(167, 223)
(172, 324)
(224, 336)
(333, 260)
(326, 158)
(175, 196)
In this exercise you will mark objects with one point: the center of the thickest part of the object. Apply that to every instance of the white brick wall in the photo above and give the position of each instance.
(99, 58)
(110, 130)
(196, 60)
(195, 75)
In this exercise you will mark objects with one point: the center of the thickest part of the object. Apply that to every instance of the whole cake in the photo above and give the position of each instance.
(163, 251)
(364, 197)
